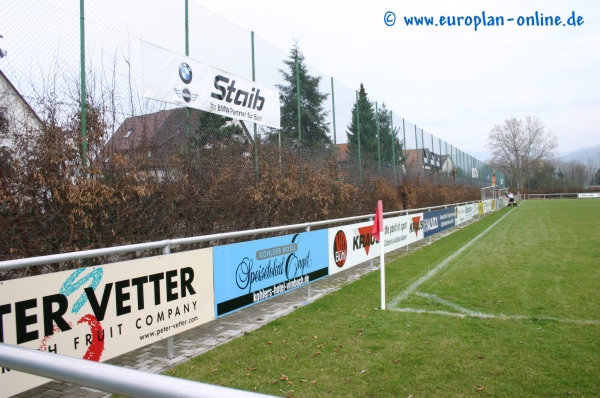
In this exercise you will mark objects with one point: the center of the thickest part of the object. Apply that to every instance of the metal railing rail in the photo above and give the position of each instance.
(569, 195)
(110, 378)
(167, 243)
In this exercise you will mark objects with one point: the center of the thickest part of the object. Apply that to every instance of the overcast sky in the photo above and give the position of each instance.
(454, 82)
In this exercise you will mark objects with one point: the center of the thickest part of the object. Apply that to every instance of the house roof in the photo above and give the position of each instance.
(342, 152)
(6, 79)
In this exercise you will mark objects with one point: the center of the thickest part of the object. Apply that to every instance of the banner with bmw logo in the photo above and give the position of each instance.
(171, 77)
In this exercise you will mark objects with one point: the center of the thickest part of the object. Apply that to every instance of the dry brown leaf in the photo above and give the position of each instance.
(396, 360)
(317, 353)
(360, 330)
(214, 370)
(248, 374)
(303, 381)
(283, 358)
(284, 377)
(315, 337)
(362, 371)
(314, 382)
(480, 356)
(320, 346)
(269, 342)
(347, 380)
(479, 388)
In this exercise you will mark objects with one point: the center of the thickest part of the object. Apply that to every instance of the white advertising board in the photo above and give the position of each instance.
(351, 245)
(470, 211)
(401, 231)
(588, 195)
(460, 214)
(487, 206)
(98, 313)
(172, 77)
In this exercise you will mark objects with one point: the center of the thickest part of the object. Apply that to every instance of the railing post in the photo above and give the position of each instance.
(170, 343)
(371, 219)
(308, 292)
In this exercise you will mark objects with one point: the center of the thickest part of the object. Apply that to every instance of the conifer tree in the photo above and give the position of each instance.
(314, 127)
(387, 136)
(368, 128)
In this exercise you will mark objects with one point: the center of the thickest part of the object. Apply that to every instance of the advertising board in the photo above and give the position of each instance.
(350, 245)
(401, 231)
(438, 220)
(248, 272)
(98, 313)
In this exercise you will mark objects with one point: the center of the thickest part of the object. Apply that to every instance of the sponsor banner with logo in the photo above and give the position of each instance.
(461, 214)
(350, 245)
(480, 208)
(98, 313)
(438, 220)
(470, 211)
(588, 195)
(248, 272)
(487, 206)
(172, 77)
(474, 173)
(493, 204)
(401, 231)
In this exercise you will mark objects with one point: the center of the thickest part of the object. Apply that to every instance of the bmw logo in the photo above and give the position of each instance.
(187, 96)
(185, 73)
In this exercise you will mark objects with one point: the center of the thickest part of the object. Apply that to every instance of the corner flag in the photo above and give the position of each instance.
(378, 224)
(377, 233)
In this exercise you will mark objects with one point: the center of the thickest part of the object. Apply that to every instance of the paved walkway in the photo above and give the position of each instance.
(152, 358)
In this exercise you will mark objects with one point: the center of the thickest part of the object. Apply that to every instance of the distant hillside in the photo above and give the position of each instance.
(582, 155)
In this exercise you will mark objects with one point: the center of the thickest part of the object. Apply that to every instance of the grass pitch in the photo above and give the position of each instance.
(515, 314)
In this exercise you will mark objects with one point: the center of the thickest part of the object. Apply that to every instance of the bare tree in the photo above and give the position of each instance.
(522, 149)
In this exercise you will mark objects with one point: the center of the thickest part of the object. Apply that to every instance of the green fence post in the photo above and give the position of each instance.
(358, 134)
(378, 140)
(83, 88)
(256, 172)
(187, 54)
(333, 108)
(416, 149)
(393, 145)
(299, 117)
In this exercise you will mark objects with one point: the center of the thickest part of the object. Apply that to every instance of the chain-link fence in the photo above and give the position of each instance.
(117, 168)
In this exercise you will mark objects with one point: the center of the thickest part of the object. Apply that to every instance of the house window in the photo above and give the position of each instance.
(127, 134)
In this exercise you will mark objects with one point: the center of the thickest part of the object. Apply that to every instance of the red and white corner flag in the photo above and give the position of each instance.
(378, 233)
(378, 224)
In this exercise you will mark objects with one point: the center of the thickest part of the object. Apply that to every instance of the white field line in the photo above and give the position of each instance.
(445, 262)
(500, 316)
(450, 304)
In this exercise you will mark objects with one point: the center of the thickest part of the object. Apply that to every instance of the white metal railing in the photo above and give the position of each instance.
(168, 243)
(569, 195)
(111, 378)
